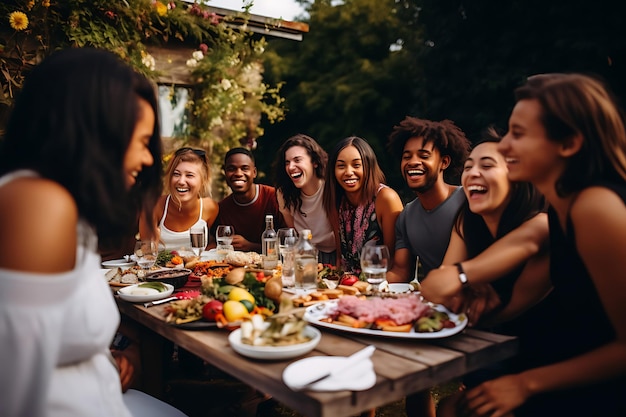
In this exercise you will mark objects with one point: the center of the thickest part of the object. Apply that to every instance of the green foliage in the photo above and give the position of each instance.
(229, 92)
(458, 60)
(345, 78)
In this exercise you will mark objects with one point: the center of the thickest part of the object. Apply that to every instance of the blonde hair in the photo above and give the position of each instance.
(193, 155)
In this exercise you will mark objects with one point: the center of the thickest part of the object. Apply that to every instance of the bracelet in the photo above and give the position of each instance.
(462, 276)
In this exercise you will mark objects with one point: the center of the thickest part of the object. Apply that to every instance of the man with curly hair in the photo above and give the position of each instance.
(431, 157)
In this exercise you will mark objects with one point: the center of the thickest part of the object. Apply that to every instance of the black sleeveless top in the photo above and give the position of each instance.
(576, 323)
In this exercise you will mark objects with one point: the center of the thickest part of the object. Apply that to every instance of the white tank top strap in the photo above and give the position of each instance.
(20, 173)
(201, 210)
(167, 203)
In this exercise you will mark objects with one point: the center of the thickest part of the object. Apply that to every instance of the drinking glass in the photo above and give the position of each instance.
(282, 235)
(146, 252)
(374, 263)
(288, 254)
(198, 235)
(224, 235)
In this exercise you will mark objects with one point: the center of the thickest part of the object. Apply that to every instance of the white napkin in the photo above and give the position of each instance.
(359, 377)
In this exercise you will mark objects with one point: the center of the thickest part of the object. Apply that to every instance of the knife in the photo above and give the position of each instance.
(347, 363)
(157, 302)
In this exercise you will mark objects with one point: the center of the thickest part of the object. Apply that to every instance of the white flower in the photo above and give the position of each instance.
(148, 60)
(226, 84)
(197, 55)
(192, 63)
(216, 121)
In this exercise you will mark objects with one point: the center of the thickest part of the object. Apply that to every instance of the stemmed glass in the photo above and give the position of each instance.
(146, 252)
(374, 263)
(224, 236)
(198, 235)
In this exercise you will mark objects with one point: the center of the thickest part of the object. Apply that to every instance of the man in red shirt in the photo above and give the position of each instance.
(246, 207)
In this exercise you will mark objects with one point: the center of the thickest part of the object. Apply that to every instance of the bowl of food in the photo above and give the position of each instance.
(282, 336)
(177, 277)
(312, 337)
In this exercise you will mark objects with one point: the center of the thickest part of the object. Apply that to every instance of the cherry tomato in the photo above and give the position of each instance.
(260, 276)
(212, 309)
(349, 279)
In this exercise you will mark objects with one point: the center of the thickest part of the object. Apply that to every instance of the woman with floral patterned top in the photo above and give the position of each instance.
(358, 203)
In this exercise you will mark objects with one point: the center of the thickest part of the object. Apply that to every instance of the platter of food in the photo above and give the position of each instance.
(403, 317)
(124, 277)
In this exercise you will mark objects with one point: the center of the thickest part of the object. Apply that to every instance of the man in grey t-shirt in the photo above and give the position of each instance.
(427, 150)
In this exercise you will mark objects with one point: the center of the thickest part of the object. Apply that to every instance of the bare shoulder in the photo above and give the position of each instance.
(210, 210)
(537, 224)
(389, 196)
(37, 216)
(48, 197)
(210, 206)
(599, 215)
(597, 203)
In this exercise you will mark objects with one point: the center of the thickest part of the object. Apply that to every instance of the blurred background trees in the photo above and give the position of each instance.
(363, 66)
(366, 64)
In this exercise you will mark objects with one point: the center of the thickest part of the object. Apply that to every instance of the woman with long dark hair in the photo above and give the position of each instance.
(567, 137)
(357, 201)
(81, 158)
(299, 169)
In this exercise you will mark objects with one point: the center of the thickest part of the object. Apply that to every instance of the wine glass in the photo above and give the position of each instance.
(198, 237)
(146, 252)
(374, 263)
(224, 235)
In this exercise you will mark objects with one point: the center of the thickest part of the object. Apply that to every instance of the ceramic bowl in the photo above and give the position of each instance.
(176, 277)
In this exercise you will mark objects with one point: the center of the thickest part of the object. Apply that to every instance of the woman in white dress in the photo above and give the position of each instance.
(299, 169)
(81, 157)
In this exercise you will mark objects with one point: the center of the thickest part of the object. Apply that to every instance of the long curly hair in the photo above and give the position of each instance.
(282, 181)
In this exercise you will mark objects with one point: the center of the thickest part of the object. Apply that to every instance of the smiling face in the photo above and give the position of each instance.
(349, 169)
(421, 164)
(529, 154)
(186, 181)
(299, 167)
(485, 180)
(240, 173)
(138, 154)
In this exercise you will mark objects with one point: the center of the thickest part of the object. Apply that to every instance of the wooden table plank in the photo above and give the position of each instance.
(402, 366)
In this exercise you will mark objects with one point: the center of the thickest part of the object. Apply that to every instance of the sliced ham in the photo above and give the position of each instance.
(401, 310)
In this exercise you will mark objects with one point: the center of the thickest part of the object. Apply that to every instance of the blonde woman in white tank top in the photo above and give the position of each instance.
(187, 203)
(299, 170)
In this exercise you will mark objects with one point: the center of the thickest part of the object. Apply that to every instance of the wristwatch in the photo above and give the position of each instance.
(462, 276)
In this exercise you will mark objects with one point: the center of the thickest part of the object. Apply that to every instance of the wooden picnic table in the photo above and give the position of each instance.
(402, 366)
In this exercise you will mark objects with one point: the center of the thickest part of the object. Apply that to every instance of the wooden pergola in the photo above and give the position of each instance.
(171, 60)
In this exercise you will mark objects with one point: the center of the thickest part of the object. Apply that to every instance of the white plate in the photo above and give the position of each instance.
(117, 263)
(275, 352)
(211, 255)
(400, 288)
(126, 293)
(356, 378)
(320, 311)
